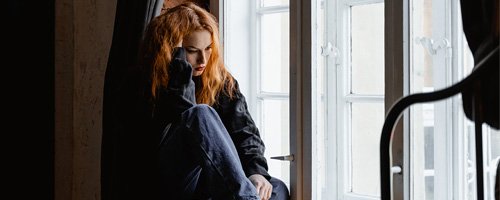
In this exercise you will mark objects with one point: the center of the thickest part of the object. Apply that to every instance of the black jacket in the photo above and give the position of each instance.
(180, 95)
(130, 154)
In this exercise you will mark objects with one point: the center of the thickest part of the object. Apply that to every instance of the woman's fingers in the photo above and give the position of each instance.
(269, 192)
(259, 189)
(266, 191)
(262, 185)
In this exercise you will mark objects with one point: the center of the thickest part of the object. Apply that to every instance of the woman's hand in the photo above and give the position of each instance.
(179, 44)
(264, 188)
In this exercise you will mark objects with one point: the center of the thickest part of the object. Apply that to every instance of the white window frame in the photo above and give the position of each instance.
(397, 53)
(256, 80)
(340, 96)
(241, 21)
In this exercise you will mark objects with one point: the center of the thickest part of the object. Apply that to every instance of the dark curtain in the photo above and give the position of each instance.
(131, 18)
(481, 23)
(480, 20)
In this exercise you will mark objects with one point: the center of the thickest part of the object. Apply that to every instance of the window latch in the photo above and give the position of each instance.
(396, 169)
(329, 49)
(432, 46)
(284, 158)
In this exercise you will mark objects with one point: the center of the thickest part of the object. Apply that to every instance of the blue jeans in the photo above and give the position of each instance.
(199, 161)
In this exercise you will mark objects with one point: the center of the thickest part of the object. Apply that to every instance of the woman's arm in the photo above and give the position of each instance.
(242, 129)
(179, 95)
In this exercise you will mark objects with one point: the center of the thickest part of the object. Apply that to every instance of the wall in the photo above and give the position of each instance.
(83, 35)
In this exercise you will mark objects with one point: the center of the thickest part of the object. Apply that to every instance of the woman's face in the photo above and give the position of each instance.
(198, 50)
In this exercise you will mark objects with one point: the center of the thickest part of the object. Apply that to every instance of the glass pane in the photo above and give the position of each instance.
(367, 120)
(274, 53)
(468, 160)
(275, 133)
(266, 3)
(492, 154)
(421, 58)
(426, 147)
(493, 147)
(423, 150)
(367, 49)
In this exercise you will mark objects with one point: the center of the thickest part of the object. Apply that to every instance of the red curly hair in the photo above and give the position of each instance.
(169, 29)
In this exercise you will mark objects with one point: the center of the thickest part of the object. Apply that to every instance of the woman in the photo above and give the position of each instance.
(209, 144)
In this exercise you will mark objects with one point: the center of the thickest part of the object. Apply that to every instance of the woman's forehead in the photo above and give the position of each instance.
(199, 38)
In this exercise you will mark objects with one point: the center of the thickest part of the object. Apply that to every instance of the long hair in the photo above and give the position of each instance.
(166, 31)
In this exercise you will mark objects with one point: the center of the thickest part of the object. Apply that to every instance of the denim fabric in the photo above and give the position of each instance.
(280, 190)
(199, 144)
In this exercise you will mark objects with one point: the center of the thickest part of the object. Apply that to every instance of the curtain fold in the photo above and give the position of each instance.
(132, 16)
(480, 24)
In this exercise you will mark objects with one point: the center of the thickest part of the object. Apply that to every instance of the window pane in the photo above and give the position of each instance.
(494, 148)
(422, 33)
(428, 137)
(367, 119)
(274, 53)
(423, 151)
(367, 53)
(275, 133)
(266, 3)
(492, 158)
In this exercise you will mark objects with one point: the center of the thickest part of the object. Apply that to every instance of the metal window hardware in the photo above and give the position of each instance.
(431, 45)
(396, 169)
(329, 49)
(284, 158)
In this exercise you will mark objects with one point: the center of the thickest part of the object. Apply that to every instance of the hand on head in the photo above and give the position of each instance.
(179, 44)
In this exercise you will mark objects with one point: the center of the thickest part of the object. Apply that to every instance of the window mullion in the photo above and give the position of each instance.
(361, 2)
(364, 98)
(272, 95)
(272, 9)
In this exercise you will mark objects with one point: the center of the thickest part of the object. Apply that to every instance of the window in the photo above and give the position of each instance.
(262, 62)
(348, 108)
(272, 81)
(442, 140)
(349, 89)
(348, 56)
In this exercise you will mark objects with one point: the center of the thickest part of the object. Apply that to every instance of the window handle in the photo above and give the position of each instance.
(329, 49)
(396, 169)
(431, 45)
(284, 158)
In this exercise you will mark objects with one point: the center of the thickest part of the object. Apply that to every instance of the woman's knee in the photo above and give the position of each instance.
(203, 119)
(280, 189)
(199, 110)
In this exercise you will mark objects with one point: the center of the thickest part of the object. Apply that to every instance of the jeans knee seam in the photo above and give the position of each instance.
(217, 169)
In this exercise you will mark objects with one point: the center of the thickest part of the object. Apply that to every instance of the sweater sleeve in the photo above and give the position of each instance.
(244, 133)
(179, 95)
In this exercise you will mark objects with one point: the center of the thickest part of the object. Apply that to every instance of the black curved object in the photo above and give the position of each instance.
(397, 108)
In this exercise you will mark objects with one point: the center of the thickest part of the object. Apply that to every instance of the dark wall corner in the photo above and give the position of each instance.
(28, 98)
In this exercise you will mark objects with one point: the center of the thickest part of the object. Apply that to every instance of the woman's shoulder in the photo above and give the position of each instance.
(230, 93)
(233, 87)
